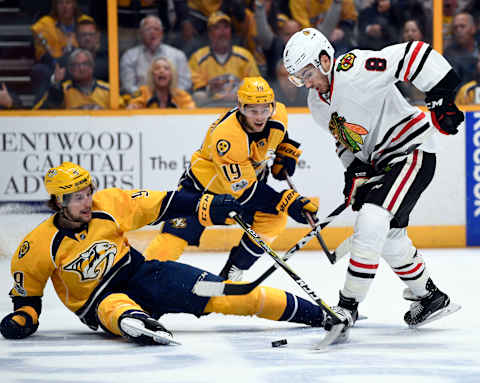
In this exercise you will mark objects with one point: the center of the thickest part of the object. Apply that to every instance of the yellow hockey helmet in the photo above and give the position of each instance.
(65, 179)
(255, 90)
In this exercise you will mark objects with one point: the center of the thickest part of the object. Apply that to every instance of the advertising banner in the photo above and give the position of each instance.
(152, 152)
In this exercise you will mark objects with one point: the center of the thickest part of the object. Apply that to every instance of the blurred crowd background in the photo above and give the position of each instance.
(194, 53)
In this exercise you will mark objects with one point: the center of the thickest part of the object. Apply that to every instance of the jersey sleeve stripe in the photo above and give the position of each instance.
(412, 59)
(422, 63)
(400, 64)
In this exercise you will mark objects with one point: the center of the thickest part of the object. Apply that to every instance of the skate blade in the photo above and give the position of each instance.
(159, 338)
(362, 317)
(450, 309)
(334, 336)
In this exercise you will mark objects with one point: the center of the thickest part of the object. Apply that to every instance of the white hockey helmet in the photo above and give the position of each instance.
(304, 48)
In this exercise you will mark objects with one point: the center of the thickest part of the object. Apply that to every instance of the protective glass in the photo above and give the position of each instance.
(298, 79)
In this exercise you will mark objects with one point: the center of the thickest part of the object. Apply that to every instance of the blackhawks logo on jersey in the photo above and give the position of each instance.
(346, 62)
(349, 135)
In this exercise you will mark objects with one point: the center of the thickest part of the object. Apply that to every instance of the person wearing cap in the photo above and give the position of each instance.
(218, 68)
(136, 61)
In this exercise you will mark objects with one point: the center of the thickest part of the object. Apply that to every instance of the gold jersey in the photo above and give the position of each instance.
(178, 98)
(206, 69)
(68, 95)
(230, 159)
(206, 7)
(309, 13)
(77, 261)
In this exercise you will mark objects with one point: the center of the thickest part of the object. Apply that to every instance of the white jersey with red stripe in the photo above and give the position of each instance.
(366, 112)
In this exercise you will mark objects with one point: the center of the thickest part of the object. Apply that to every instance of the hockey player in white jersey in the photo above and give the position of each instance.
(388, 149)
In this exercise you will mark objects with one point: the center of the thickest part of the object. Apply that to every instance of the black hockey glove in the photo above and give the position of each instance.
(214, 209)
(296, 206)
(17, 325)
(446, 117)
(355, 176)
(286, 158)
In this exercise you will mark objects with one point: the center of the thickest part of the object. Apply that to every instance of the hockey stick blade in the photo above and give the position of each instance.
(450, 309)
(334, 336)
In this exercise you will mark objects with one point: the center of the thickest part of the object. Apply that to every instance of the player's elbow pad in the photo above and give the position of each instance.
(18, 325)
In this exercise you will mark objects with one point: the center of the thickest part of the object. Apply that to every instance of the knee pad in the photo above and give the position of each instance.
(398, 249)
(111, 308)
(370, 231)
(165, 247)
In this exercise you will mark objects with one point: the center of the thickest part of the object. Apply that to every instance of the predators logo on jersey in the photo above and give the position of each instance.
(348, 134)
(89, 264)
(346, 62)
(179, 223)
(24, 249)
(223, 146)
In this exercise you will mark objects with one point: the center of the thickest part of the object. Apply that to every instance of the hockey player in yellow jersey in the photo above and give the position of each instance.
(82, 248)
(233, 159)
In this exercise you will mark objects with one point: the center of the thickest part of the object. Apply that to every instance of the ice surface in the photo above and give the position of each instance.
(228, 349)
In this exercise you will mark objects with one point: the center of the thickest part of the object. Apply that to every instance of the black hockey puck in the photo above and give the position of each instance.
(278, 343)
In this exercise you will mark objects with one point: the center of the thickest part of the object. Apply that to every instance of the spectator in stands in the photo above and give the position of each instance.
(412, 31)
(285, 91)
(469, 93)
(83, 91)
(462, 53)
(269, 39)
(53, 37)
(218, 68)
(161, 90)
(194, 17)
(136, 61)
(336, 19)
(9, 100)
(450, 8)
(378, 25)
(88, 37)
(414, 9)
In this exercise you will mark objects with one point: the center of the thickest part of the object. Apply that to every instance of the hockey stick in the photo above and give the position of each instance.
(279, 260)
(331, 256)
(210, 289)
(336, 332)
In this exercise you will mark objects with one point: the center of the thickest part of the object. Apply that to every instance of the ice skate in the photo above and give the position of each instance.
(140, 328)
(435, 305)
